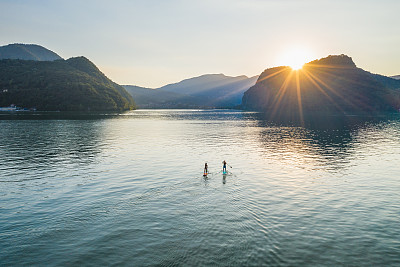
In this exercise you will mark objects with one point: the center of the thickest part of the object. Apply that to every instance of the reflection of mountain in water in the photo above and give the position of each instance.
(44, 145)
(320, 142)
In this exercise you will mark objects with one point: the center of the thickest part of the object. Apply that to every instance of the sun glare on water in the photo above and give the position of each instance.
(296, 57)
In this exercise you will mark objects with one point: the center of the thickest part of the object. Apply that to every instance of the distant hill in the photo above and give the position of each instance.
(206, 91)
(397, 77)
(153, 98)
(201, 84)
(27, 52)
(75, 84)
(330, 85)
(215, 90)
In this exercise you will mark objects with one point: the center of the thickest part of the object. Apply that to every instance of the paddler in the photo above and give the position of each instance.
(224, 167)
(205, 169)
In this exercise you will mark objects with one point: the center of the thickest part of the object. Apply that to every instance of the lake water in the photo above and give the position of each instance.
(100, 190)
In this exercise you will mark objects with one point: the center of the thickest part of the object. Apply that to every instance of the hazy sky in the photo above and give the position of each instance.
(155, 42)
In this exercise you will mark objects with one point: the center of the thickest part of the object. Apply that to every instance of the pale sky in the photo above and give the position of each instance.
(155, 42)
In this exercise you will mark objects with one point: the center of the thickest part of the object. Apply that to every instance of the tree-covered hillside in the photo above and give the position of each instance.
(75, 84)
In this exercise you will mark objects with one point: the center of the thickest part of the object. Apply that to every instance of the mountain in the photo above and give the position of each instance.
(397, 77)
(153, 98)
(215, 90)
(201, 84)
(27, 52)
(75, 84)
(206, 91)
(329, 85)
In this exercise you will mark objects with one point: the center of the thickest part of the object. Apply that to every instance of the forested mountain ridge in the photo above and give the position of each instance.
(75, 84)
(27, 52)
(330, 85)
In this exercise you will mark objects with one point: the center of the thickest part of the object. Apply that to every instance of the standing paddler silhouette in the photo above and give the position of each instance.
(224, 167)
(205, 170)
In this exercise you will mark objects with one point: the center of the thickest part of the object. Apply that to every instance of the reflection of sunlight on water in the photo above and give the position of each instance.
(134, 183)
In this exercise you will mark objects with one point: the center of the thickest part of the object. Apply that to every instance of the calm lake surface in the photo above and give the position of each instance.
(128, 189)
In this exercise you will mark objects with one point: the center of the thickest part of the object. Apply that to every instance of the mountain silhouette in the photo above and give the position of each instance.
(329, 85)
(153, 98)
(205, 91)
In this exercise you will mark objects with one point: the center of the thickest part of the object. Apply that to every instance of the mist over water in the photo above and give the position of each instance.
(129, 190)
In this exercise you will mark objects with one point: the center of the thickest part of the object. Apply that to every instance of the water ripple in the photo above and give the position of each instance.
(128, 190)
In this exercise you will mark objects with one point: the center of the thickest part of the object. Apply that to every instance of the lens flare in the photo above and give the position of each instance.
(296, 57)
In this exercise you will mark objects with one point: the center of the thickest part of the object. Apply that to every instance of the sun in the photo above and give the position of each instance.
(296, 57)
